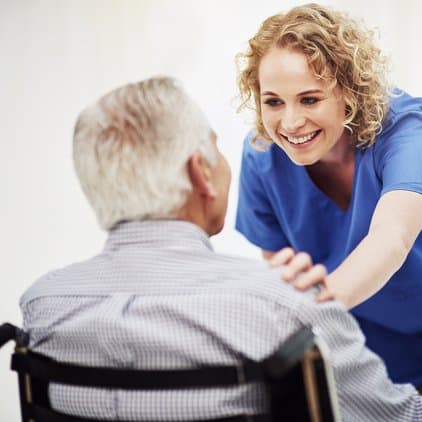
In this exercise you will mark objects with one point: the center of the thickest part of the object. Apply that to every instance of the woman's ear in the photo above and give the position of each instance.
(200, 176)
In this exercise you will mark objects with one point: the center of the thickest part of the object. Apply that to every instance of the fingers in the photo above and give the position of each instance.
(325, 295)
(282, 257)
(314, 276)
(299, 269)
(299, 263)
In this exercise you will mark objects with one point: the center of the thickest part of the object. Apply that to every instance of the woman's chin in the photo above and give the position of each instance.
(300, 155)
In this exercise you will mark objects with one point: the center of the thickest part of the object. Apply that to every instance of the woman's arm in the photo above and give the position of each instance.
(395, 225)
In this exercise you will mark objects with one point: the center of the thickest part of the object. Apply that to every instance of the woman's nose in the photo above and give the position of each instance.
(291, 122)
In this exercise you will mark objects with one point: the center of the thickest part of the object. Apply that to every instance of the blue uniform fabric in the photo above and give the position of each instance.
(279, 205)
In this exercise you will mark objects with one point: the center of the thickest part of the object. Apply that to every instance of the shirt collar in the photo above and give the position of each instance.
(173, 234)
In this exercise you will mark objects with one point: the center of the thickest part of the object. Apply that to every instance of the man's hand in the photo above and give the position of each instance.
(301, 272)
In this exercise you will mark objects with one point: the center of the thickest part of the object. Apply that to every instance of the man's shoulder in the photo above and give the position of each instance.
(58, 281)
(214, 273)
(255, 277)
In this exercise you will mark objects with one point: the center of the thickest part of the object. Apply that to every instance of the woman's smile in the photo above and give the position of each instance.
(301, 140)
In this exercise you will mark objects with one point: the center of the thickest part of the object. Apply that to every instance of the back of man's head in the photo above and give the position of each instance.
(131, 149)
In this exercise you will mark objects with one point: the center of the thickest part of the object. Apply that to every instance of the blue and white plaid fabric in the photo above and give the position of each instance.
(158, 296)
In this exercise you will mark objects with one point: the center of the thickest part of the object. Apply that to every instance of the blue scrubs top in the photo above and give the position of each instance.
(279, 205)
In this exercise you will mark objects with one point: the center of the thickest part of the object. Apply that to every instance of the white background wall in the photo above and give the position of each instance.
(58, 56)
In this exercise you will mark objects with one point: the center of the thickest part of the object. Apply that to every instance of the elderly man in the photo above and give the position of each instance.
(158, 296)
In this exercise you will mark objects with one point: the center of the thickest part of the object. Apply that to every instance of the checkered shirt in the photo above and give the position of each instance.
(159, 297)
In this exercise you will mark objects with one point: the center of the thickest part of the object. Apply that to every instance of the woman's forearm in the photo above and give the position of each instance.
(395, 225)
(368, 268)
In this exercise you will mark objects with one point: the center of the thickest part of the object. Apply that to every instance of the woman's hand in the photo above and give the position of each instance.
(301, 272)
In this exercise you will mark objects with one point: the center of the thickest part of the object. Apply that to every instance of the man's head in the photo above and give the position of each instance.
(143, 151)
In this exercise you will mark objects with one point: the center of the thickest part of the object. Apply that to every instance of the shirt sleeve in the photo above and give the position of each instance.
(399, 153)
(255, 218)
(364, 390)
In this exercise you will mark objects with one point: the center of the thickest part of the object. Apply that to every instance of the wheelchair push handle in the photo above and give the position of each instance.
(11, 332)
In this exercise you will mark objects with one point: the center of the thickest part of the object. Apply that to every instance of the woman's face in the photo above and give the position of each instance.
(301, 114)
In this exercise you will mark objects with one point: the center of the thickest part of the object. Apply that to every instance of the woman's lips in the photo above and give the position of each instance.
(302, 140)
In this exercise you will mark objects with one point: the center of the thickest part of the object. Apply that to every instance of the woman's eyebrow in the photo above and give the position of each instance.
(310, 91)
(300, 94)
(268, 93)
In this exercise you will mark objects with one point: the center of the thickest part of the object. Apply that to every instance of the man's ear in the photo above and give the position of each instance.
(200, 176)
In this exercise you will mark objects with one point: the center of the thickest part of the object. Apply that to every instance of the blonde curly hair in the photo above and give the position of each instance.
(339, 50)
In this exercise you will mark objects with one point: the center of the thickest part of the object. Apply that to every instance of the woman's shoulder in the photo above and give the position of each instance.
(405, 112)
(401, 101)
(399, 145)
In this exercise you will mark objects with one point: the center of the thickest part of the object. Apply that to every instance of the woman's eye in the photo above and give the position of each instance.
(272, 102)
(309, 100)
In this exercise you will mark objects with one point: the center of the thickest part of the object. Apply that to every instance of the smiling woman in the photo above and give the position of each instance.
(302, 114)
(340, 175)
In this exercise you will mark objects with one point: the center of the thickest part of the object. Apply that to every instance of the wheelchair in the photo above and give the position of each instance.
(297, 377)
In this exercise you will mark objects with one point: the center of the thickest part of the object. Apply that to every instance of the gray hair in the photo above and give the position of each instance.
(131, 148)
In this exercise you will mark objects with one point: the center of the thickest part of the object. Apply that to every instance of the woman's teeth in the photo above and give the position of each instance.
(302, 139)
